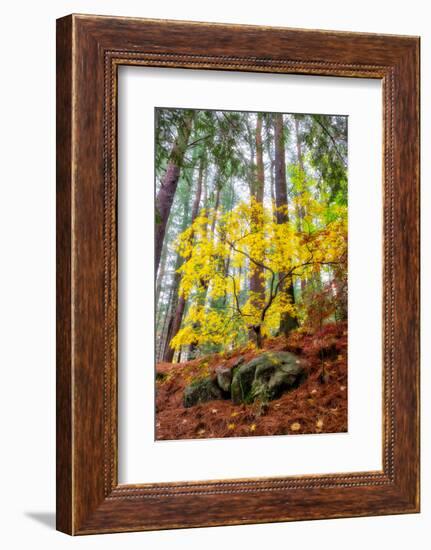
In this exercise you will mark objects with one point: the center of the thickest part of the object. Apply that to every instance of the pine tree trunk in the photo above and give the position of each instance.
(288, 322)
(165, 196)
(257, 281)
(181, 304)
(260, 178)
(172, 311)
(216, 207)
(161, 274)
(300, 213)
(174, 328)
(162, 339)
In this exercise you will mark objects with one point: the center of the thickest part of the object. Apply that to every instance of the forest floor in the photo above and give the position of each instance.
(318, 405)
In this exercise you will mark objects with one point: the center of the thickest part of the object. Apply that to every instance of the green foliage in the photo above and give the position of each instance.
(326, 140)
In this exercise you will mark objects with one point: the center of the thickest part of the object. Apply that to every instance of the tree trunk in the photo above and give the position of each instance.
(161, 274)
(260, 178)
(298, 146)
(269, 151)
(165, 196)
(174, 328)
(173, 306)
(197, 200)
(257, 333)
(162, 327)
(300, 213)
(288, 322)
(181, 304)
(257, 281)
(216, 206)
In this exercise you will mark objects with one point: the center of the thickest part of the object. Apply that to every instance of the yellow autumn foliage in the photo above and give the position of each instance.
(218, 265)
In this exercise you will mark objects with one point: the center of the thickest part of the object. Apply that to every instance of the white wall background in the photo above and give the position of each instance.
(27, 279)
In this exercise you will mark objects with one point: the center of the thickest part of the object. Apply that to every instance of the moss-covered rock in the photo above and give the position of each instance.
(201, 391)
(224, 377)
(266, 377)
(242, 380)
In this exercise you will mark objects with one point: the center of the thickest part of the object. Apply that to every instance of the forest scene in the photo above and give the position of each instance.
(250, 273)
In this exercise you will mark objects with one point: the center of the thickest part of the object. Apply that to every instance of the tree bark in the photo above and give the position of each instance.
(300, 213)
(164, 329)
(298, 145)
(257, 333)
(260, 178)
(174, 328)
(181, 304)
(161, 274)
(165, 196)
(257, 281)
(288, 322)
(216, 206)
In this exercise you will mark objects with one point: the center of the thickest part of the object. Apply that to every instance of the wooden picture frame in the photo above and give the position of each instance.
(89, 51)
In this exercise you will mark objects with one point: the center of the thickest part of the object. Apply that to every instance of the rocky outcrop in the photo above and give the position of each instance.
(224, 377)
(205, 389)
(265, 377)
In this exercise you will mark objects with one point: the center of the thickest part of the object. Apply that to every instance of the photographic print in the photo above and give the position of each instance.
(251, 233)
(229, 329)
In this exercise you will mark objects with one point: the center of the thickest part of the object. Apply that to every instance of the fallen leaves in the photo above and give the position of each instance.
(308, 406)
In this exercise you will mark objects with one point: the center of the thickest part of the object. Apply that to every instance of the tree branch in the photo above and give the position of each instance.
(258, 264)
(270, 299)
(236, 296)
(331, 137)
(198, 140)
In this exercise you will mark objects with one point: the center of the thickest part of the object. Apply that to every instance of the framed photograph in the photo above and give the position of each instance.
(237, 274)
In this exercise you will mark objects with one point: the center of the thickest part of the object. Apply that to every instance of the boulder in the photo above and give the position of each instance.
(201, 391)
(224, 377)
(242, 380)
(279, 372)
(238, 361)
(266, 377)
